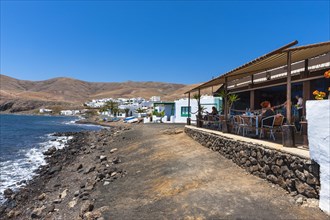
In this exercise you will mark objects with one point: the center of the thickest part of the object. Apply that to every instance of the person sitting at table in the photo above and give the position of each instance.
(267, 111)
(213, 115)
(214, 111)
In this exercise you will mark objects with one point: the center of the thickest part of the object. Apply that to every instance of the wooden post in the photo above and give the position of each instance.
(199, 114)
(288, 90)
(189, 110)
(306, 88)
(225, 101)
(252, 100)
(288, 138)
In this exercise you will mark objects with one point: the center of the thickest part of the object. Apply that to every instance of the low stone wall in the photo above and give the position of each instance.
(295, 174)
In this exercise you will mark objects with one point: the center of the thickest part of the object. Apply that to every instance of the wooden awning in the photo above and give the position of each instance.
(270, 61)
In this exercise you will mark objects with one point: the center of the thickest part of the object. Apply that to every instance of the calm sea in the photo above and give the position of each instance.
(24, 138)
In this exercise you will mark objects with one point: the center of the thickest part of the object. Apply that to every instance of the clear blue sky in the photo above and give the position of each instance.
(169, 41)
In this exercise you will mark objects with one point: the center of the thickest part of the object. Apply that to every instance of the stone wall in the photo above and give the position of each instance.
(295, 174)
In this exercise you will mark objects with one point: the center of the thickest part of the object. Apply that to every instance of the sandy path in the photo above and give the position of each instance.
(174, 177)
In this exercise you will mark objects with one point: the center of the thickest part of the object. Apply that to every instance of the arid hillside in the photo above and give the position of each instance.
(23, 95)
(77, 91)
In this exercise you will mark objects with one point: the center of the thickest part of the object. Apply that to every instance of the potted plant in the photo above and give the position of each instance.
(229, 99)
(199, 119)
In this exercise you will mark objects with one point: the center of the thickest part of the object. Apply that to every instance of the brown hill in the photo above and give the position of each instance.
(77, 91)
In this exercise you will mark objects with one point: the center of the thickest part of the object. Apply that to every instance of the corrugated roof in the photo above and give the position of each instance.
(274, 59)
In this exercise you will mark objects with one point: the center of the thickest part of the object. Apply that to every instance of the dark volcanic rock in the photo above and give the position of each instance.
(8, 192)
(55, 169)
(50, 151)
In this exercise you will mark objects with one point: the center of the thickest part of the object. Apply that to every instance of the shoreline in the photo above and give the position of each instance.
(56, 160)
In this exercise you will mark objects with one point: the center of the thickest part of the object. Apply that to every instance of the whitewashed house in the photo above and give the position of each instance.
(69, 112)
(182, 112)
(45, 111)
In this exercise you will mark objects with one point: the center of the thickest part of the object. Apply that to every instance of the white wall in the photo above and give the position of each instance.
(318, 117)
(207, 101)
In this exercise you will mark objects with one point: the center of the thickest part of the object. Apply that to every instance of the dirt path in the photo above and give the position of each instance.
(150, 171)
(170, 176)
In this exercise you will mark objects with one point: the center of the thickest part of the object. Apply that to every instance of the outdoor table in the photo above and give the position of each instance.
(256, 117)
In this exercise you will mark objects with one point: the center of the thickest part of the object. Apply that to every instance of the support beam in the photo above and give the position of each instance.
(189, 110)
(252, 100)
(225, 101)
(288, 89)
(199, 114)
(288, 138)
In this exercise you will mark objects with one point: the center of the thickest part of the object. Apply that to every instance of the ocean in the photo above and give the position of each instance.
(24, 138)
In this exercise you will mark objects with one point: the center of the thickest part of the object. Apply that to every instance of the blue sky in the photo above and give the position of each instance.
(169, 41)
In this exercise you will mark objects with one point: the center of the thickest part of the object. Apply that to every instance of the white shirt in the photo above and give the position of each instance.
(300, 103)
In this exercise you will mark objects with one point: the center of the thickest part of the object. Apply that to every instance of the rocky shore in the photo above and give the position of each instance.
(68, 178)
(148, 171)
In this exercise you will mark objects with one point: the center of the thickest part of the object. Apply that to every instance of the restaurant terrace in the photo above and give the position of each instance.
(281, 151)
(278, 77)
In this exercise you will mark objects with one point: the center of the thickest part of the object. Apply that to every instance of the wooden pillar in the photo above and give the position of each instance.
(306, 88)
(288, 134)
(252, 95)
(225, 101)
(189, 110)
(288, 90)
(199, 114)
(252, 100)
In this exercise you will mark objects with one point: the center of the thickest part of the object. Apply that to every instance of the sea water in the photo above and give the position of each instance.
(23, 139)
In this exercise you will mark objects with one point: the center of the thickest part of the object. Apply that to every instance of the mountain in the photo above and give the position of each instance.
(68, 91)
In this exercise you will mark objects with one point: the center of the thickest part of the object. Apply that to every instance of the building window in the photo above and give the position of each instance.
(185, 111)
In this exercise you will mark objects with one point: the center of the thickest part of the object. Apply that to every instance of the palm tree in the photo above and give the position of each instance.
(229, 98)
(126, 112)
(110, 105)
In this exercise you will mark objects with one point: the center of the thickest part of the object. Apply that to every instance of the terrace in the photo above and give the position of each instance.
(276, 77)
(289, 151)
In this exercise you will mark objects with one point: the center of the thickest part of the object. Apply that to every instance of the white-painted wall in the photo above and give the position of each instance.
(206, 101)
(318, 117)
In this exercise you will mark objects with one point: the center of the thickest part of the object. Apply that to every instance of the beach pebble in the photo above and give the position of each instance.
(63, 194)
(106, 183)
(72, 203)
(76, 193)
(116, 160)
(103, 158)
(50, 208)
(57, 201)
(50, 151)
(42, 196)
(54, 169)
(87, 206)
(36, 213)
(79, 166)
(8, 192)
(89, 169)
(299, 201)
(113, 150)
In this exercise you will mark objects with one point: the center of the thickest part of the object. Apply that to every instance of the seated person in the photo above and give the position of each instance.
(266, 112)
(214, 111)
(213, 115)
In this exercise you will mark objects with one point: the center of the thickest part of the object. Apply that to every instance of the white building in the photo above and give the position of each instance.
(45, 110)
(155, 98)
(69, 112)
(182, 112)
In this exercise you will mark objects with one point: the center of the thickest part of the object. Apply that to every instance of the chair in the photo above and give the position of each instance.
(275, 125)
(236, 123)
(245, 124)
